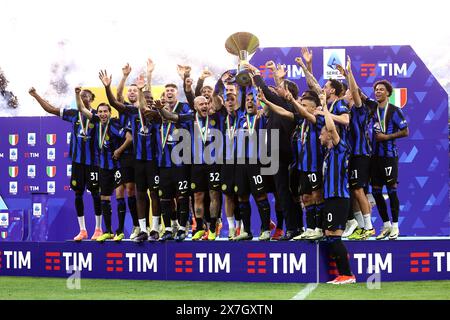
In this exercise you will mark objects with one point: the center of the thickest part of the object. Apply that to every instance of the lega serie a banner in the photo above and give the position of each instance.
(34, 151)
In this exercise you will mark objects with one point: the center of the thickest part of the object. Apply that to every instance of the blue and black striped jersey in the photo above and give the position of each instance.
(335, 171)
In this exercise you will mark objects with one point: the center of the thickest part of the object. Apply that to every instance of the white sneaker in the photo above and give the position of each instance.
(305, 234)
(231, 233)
(265, 236)
(384, 233)
(350, 226)
(394, 233)
(316, 234)
(135, 232)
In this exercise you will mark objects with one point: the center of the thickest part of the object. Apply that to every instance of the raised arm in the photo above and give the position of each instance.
(352, 84)
(188, 92)
(106, 80)
(308, 56)
(205, 74)
(170, 116)
(274, 108)
(310, 79)
(44, 103)
(150, 68)
(259, 82)
(329, 123)
(126, 70)
(80, 105)
(301, 110)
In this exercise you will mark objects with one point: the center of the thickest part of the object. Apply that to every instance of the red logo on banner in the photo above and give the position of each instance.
(52, 261)
(265, 73)
(418, 259)
(183, 262)
(368, 69)
(114, 261)
(256, 262)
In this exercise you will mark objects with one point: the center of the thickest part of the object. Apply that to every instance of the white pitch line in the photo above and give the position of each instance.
(303, 294)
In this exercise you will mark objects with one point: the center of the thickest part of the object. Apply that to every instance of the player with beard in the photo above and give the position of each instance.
(110, 146)
(84, 159)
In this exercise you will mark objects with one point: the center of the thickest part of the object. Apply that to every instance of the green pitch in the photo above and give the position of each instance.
(92, 289)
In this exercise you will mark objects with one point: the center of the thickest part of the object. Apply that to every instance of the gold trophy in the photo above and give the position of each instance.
(242, 44)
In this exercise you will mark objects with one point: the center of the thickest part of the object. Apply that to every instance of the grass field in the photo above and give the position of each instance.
(29, 288)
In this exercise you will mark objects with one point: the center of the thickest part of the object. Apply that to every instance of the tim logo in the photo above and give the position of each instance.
(16, 260)
(256, 263)
(31, 171)
(13, 187)
(52, 261)
(114, 262)
(51, 154)
(51, 187)
(75, 261)
(183, 262)
(37, 209)
(419, 262)
(331, 58)
(31, 139)
(13, 154)
(368, 69)
(69, 170)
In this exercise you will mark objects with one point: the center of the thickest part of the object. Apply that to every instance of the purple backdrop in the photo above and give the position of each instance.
(423, 161)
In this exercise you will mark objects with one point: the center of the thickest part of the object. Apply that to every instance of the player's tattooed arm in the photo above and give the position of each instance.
(310, 79)
(44, 103)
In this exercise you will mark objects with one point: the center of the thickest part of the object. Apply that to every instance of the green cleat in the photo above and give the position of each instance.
(212, 236)
(198, 235)
(358, 234)
(119, 237)
(368, 233)
(105, 236)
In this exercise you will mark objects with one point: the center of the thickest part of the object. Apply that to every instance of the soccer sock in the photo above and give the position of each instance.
(395, 204)
(98, 221)
(183, 210)
(121, 210)
(142, 225)
(166, 212)
(319, 215)
(339, 253)
(387, 224)
(79, 204)
(231, 223)
(81, 223)
(245, 210)
(133, 210)
(359, 218)
(199, 222)
(97, 204)
(310, 217)
(212, 226)
(299, 214)
(351, 214)
(264, 213)
(155, 223)
(279, 214)
(367, 221)
(237, 212)
(147, 210)
(381, 204)
(394, 224)
(106, 210)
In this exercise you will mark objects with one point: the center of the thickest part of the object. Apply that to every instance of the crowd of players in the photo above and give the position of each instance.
(332, 142)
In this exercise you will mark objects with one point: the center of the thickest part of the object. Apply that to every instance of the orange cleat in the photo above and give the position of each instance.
(97, 233)
(277, 234)
(218, 228)
(343, 280)
(81, 236)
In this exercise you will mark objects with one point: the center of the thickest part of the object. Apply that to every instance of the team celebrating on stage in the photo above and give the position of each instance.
(176, 159)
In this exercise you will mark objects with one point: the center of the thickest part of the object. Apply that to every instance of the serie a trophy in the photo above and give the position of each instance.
(242, 44)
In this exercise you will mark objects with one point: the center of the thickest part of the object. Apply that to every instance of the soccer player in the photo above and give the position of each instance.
(84, 159)
(145, 166)
(110, 135)
(390, 124)
(336, 194)
(359, 164)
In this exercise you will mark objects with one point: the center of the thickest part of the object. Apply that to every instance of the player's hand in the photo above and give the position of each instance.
(300, 62)
(116, 154)
(189, 82)
(140, 81)
(103, 76)
(205, 74)
(77, 90)
(349, 64)
(380, 136)
(150, 65)
(158, 104)
(183, 71)
(341, 70)
(126, 70)
(270, 65)
(323, 99)
(261, 96)
(32, 92)
(280, 72)
(307, 55)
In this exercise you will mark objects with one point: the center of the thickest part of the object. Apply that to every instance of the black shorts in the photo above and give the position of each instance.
(84, 176)
(227, 178)
(335, 213)
(383, 171)
(359, 172)
(205, 177)
(270, 184)
(248, 180)
(109, 181)
(173, 182)
(310, 181)
(146, 175)
(127, 168)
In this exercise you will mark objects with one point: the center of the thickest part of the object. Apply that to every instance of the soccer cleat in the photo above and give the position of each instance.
(272, 225)
(289, 235)
(265, 236)
(175, 227)
(119, 236)
(343, 280)
(303, 235)
(211, 236)
(98, 232)
(368, 233)
(205, 236)
(168, 235)
(180, 236)
(394, 233)
(231, 233)
(141, 237)
(238, 231)
(153, 236)
(81, 236)
(135, 232)
(243, 236)
(218, 228)
(358, 234)
(384, 233)
(104, 237)
(350, 227)
(316, 234)
(198, 235)
(277, 234)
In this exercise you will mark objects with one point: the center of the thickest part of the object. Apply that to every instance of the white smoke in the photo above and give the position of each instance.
(66, 43)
